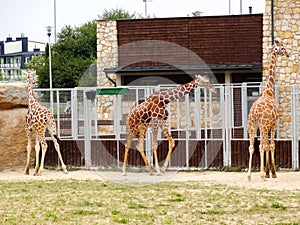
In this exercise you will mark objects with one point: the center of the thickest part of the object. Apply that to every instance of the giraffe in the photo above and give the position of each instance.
(38, 119)
(152, 113)
(263, 115)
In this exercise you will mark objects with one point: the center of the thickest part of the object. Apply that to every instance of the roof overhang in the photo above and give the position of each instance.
(187, 68)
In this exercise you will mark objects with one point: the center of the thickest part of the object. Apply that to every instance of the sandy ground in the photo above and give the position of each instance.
(284, 180)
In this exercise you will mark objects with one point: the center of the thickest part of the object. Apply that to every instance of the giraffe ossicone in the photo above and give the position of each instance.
(153, 113)
(38, 120)
(263, 116)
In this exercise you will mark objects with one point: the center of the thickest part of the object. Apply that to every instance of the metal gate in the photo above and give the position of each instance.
(210, 130)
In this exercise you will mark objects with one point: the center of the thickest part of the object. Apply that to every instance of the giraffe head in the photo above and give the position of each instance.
(31, 77)
(279, 49)
(205, 82)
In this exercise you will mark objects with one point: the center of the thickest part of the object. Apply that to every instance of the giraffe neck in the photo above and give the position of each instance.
(31, 97)
(270, 82)
(178, 92)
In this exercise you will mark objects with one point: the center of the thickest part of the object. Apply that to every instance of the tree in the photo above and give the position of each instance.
(74, 52)
(36, 62)
(118, 13)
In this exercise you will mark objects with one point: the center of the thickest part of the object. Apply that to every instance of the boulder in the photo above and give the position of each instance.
(13, 139)
(13, 95)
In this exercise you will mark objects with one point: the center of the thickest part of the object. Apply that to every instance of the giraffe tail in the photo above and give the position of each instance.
(57, 138)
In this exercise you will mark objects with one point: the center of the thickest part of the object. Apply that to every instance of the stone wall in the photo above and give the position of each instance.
(13, 140)
(107, 50)
(107, 57)
(287, 29)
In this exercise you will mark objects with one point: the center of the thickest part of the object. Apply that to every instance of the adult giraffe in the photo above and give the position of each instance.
(263, 115)
(154, 114)
(38, 119)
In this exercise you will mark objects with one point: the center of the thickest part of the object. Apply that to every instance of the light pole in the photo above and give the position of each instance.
(50, 69)
(54, 21)
(146, 13)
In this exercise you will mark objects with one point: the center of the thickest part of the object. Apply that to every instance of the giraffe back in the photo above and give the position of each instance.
(39, 118)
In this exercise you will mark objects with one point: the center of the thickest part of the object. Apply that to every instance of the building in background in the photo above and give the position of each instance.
(14, 54)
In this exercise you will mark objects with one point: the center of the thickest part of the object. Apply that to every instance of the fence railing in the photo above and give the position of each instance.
(205, 126)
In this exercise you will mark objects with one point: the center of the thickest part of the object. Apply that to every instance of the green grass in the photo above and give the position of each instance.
(99, 202)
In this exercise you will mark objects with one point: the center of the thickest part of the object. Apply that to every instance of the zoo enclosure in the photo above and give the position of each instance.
(210, 130)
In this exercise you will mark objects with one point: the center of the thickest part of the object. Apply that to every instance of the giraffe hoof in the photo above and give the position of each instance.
(274, 176)
(267, 175)
(249, 178)
(159, 174)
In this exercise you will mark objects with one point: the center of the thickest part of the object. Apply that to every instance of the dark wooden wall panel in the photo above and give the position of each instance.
(104, 153)
(72, 153)
(240, 154)
(216, 40)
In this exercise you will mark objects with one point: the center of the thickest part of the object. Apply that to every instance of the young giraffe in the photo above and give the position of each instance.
(38, 119)
(263, 115)
(153, 113)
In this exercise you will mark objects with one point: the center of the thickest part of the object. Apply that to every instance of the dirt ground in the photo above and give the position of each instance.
(284, 180)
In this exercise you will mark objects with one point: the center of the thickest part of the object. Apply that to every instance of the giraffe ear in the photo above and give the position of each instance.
(203, 78)
(270, 48)
(24, 73)
(276, 41)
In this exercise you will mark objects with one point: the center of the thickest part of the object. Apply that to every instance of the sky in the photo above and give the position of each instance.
(31, 17)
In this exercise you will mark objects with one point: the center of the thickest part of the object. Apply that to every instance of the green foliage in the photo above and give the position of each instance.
(36, 62)
(72, 55)
(118, 13)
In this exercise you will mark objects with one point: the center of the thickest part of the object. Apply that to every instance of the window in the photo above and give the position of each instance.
(27, 59)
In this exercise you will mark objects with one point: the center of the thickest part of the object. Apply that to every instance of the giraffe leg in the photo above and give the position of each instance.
(165, 130)
(251, 150)
(26, 171)
(56, 145)
(140, 148)
(267, 164)
(44, 149)
(272, 150)
(261, 151)
(263, 147)
(37, 158)
(127, 147)
(154, 149)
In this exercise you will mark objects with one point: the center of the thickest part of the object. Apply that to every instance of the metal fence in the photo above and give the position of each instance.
(210, 130)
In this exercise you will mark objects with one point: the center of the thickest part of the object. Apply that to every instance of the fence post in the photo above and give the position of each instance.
(187, 130)
(244, 110)
(295, 155)
(74, 113)
(117, 116)
(228, 116)
(87, 130)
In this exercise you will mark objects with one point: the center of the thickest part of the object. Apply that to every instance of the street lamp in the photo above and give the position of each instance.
(50, 69)
(146, 14)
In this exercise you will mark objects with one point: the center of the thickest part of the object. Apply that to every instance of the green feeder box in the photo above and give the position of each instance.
(112, 91)
(90, 95)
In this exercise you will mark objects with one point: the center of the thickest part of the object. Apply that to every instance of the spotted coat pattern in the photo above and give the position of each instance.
(38, 119)
(263, 116)
(153, 113)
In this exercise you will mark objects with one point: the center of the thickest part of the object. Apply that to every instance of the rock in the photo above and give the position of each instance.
(13, 139)
(13, 95)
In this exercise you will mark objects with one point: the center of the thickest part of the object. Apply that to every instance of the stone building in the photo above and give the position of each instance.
(284, 25)
(137, 52)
